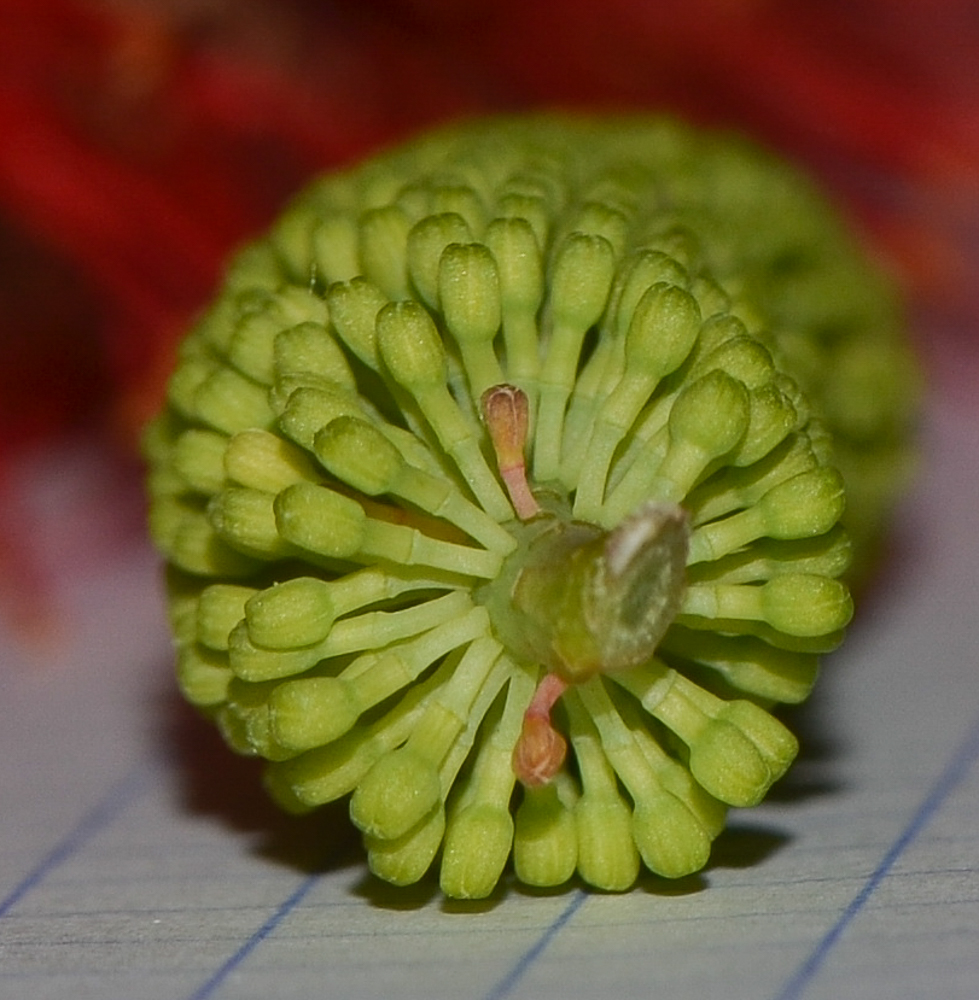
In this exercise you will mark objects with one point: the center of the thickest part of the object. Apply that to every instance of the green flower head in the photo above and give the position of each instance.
(511, 481)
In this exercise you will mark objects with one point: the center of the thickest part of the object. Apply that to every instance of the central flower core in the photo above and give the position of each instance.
(580, 600)
(572, 597)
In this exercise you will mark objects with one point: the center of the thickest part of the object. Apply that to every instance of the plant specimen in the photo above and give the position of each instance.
(515, 477)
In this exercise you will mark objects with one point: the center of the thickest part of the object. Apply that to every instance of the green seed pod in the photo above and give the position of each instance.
(245, 519)
(670, 840)
(607, 855)
(383, 256)
(806, 505)
(511, 482)
(580, 282)
(662, 331)
(334, 248)
(397, 792)
(469, 293)
(219, 609)
(358, 454)
(312, 711)
(477, 845)
(265, 461)
(297, 612)
(309, 349)
(404, 860)
(307, 409)
(412, 350)
(320, 520)
(198, 460)
(426, 243)
(545, 841)
(203, 676)
(251, 348)
(354, 306)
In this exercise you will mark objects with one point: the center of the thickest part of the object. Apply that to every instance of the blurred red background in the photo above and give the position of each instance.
(140, 140)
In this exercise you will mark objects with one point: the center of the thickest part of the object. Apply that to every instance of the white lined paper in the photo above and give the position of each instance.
(127, 870)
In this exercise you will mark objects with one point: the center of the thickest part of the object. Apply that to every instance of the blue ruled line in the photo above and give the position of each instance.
(288, 905)
(953, 774)
(509, 982)
(114, 802)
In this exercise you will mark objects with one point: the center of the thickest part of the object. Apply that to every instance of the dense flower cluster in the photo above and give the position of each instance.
(502, 489)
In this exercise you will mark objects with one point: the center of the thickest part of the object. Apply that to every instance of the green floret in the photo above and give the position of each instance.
(515, 478)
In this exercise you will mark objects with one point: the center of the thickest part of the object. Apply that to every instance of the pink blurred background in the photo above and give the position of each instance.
(141, 140)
